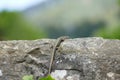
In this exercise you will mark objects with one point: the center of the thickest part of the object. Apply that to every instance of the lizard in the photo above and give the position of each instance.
(55, 48)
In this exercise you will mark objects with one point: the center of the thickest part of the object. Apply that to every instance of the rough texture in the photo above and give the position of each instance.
(76, 59)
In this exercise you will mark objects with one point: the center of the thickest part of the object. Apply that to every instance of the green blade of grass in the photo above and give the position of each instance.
(28, 77)
(47, 78)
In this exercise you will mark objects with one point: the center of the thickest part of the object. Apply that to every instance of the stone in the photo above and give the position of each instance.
(91, 58)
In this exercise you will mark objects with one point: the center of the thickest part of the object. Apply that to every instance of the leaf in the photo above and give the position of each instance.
(47, 78)
(28, 77)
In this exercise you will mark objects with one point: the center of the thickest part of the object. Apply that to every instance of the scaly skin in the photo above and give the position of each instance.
(59, 41)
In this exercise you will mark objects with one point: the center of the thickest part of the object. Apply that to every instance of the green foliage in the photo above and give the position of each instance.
(47, 78)
(113, 33)
(14, 26)
(28, 77)
(119, 2)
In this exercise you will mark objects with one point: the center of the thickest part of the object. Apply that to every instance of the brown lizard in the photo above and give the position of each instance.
(55, 48)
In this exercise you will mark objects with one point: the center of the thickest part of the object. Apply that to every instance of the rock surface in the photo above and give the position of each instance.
(77, 59)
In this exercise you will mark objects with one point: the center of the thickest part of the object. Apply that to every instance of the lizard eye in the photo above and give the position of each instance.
(62, 40)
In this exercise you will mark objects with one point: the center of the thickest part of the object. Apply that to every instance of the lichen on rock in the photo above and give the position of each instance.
(91, 58)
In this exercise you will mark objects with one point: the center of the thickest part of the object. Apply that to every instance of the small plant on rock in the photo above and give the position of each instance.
(30, 77)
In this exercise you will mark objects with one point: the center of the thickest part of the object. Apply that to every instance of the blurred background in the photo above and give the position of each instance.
(35, 19)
